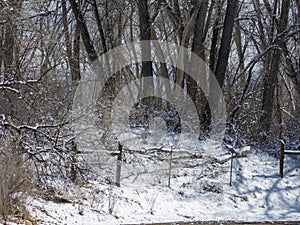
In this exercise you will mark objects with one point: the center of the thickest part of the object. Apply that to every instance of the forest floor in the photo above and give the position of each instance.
(199, 190)
(226, 223)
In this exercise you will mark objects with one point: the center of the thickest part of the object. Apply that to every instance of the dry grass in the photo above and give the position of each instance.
(14, 180)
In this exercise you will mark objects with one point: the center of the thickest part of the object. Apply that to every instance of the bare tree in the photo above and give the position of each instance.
(272, 65)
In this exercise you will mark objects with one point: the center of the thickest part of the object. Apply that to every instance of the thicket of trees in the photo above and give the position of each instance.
(251, 46)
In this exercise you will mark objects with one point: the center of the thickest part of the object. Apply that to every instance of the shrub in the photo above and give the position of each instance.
(14, 179)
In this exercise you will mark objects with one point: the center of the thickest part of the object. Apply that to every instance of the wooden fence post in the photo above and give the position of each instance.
(119, 164)
(170, 167)
(281, 158)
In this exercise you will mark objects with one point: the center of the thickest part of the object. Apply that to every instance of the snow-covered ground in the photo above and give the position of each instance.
(199, 190)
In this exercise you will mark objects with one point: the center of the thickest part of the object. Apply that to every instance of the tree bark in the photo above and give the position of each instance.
(271, 75)
(9, 44)
(215, 38)
(147, 70)
(100, 28)
(197, 95)
(145, 35)
(92, 55)
(1, 50)
(231, 13)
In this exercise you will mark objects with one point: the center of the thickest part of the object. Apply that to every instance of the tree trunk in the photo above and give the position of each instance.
(145, 35)
(231, 13)
(74, 64)
(9, 44)
(100, 28)
(271, 75)
(92, 55)
(215, 38)
(1, 51)
(198, 96)
(10, 58)
(147, 70)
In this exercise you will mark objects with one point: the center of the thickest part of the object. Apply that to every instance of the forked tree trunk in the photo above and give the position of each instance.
(271, 75)
(85, 35)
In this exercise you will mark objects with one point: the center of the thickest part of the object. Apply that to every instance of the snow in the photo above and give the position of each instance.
(199, 190)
